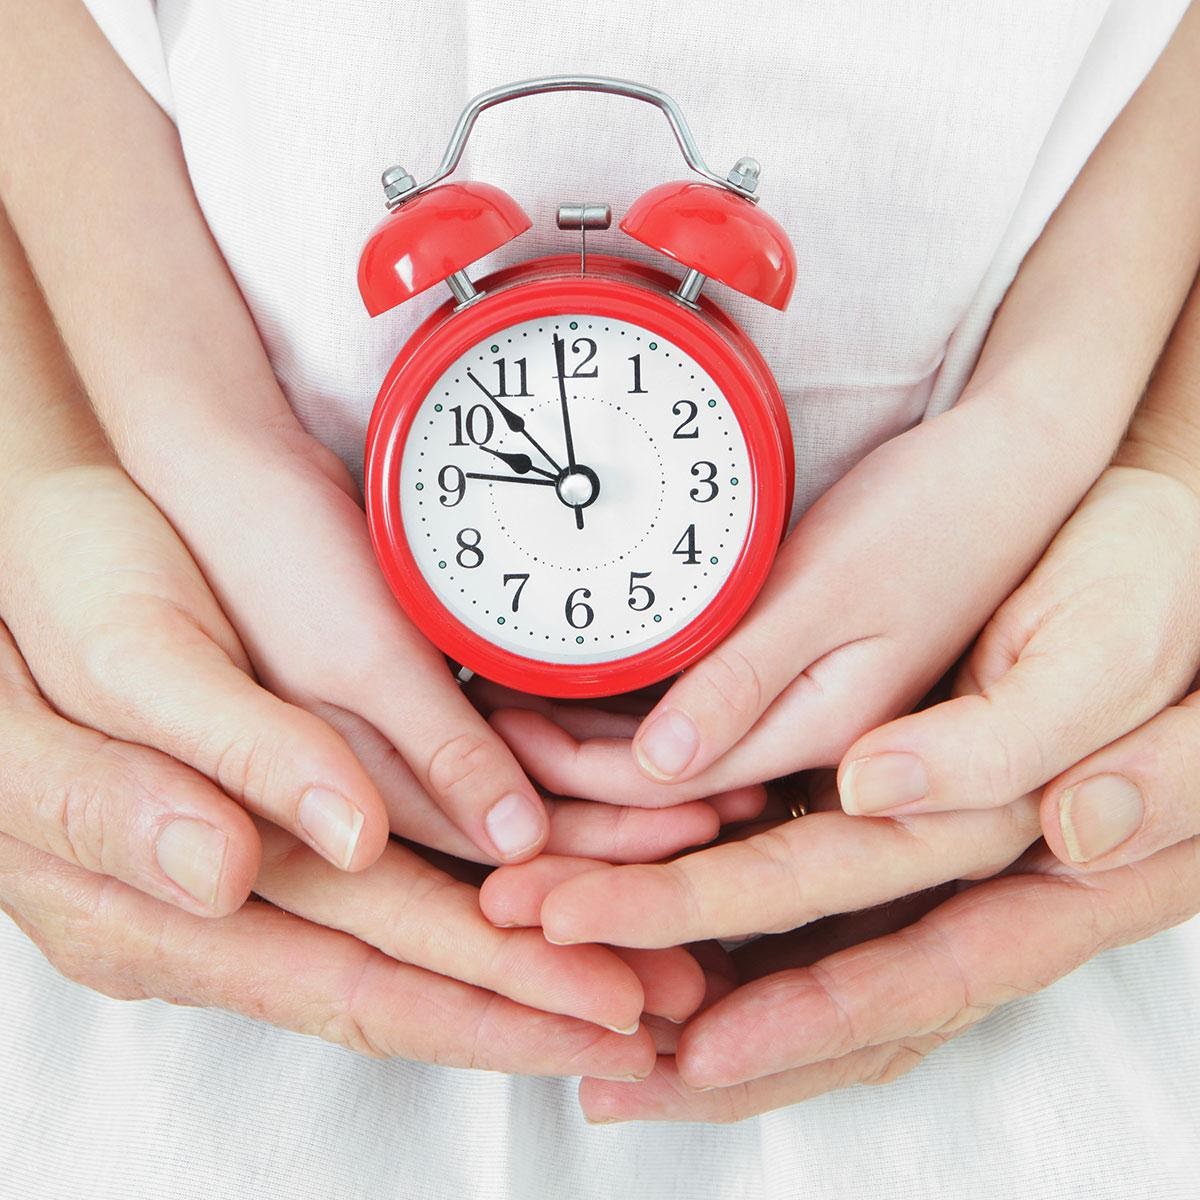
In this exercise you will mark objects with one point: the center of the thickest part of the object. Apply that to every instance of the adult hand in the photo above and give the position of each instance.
(1103, 636)
(808, 1021)
(395, 960)
(1107, 626)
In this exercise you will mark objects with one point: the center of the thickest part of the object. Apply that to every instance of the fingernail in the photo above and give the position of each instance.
(603, 1120)
(332, 822)
(623, 1078)
(192, 854)
(628, 1031)
(882, 781)
(514, 825)
(669, 743)
(1098, 815)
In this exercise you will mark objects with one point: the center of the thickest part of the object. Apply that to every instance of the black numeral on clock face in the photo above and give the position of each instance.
(637, 389)
(516, 600)
(469, 555)
(640, 591)
(453, 482)
(687, 427)
(579, 372)
(686, 547)
(522, 373)
(479, 425)
(579, 615)
(706, 472)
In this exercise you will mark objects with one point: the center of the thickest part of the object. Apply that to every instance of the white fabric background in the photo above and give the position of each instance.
(913, 152)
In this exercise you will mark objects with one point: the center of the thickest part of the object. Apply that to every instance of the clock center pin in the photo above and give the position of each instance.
(578, 486)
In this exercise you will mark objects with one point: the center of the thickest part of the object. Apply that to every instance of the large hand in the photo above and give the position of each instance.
(367, 966)
(869, 1013)
(1103, 635)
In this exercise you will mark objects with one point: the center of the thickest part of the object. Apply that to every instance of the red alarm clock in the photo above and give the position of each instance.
(578, 469)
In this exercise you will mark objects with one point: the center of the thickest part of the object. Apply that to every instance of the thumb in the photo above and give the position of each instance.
(1019, 720)
(1131, 799)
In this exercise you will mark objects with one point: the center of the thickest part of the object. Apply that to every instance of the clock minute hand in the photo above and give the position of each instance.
(514, 421)
(560, 350)
(520, 463)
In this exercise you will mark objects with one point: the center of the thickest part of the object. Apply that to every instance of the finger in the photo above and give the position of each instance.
(1131, 799)
(991, 943)
(672, 980)
(117, 809)
(664, 1096)
(723, 696)
(586, 829)
(454, 753)
(781, 878)
(159, 680)
(512, 896)
(1049, 709)
(275, 967)
(413, 912)
(811, 724)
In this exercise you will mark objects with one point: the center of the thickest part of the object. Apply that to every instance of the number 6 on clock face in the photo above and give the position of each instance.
(577, 473)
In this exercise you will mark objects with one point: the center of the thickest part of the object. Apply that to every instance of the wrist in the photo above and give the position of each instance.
(1166, 443)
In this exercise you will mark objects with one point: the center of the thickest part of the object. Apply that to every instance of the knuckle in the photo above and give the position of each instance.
(74, 816)
(460, 763)
(735, 680)
(340, 1019)
(892, 1062)
(110, 657)
(250, 764)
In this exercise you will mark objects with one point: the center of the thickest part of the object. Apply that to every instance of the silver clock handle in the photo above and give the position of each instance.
(742, 179)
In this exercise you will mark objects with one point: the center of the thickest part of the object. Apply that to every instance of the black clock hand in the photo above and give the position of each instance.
(518, 462)
(560, 351)
(508, 479)
(515, 422)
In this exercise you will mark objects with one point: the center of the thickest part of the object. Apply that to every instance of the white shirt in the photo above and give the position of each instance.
(913, 152)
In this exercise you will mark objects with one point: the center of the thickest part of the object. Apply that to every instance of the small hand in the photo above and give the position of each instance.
(521, 463)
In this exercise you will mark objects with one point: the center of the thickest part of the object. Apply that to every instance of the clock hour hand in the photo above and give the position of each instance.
(514, 421)
(520, 463)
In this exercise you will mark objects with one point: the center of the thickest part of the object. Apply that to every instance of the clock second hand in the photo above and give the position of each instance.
(560, 350)
(515, 423)
(508, 479)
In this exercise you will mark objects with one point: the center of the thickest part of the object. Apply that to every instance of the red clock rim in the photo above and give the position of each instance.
(417, 370)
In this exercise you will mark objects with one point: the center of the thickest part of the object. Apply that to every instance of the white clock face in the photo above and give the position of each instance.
(575, 489)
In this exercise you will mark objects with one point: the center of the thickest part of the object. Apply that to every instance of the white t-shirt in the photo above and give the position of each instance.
(913, 152)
